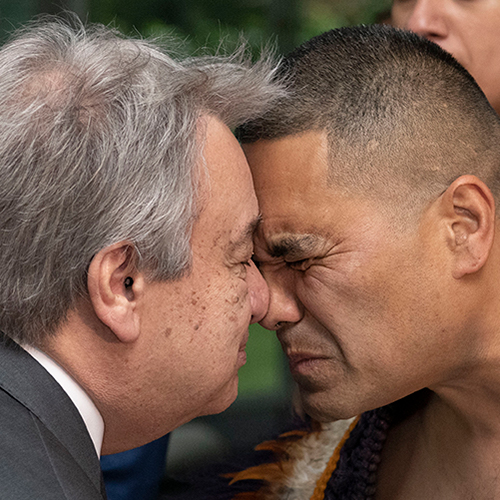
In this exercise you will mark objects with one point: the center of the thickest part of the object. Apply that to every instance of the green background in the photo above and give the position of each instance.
(202, 23)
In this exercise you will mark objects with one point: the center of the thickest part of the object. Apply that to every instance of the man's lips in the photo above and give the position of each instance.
(302, 361)
(242, 355)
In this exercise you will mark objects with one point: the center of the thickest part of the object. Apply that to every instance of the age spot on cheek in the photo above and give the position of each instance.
(167, 332)
(235, 299)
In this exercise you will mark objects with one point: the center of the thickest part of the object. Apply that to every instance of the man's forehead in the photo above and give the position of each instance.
(299, 158)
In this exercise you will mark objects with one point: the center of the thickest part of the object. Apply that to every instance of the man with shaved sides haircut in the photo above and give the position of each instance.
(378, 182)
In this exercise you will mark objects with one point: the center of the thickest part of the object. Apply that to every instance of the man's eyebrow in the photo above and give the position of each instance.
(245, 238)
(293, 246)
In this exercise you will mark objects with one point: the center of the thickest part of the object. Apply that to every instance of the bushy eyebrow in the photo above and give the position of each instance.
(245, 238)
(293, 247)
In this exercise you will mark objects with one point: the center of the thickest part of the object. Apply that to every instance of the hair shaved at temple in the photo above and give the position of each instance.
(403, 118)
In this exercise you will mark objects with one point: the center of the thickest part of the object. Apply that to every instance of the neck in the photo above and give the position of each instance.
(109, 372)
(450, 448)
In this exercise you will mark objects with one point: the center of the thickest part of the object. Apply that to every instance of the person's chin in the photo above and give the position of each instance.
(224, 398)
(326, 407)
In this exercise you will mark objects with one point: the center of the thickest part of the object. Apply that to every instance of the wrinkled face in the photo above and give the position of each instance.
(362, 310)
(468, 29)
(197, 328)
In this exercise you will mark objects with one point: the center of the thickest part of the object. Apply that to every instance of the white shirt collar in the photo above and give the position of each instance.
(86, 407)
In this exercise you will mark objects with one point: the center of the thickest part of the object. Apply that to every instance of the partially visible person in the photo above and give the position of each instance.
(378, 178)
(467, 29)
(136, 474)
(127, 211)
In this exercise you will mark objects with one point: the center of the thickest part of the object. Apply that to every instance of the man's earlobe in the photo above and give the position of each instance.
(471, 210)
(114, 287)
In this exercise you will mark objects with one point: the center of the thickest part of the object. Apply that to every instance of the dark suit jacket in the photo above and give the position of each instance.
(46, 452)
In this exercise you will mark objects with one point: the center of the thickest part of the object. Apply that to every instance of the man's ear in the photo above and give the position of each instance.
(114, 286)
(470, 212)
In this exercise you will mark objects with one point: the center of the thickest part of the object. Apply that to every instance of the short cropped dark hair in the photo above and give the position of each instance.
(398, 110)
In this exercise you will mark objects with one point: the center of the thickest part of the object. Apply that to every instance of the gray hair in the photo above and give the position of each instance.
(99, 144)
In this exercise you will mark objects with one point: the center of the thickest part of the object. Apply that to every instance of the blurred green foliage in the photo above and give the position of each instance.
(265, 371)
(202, 23)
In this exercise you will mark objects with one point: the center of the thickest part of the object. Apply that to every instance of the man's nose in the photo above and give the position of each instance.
(284, 307)
(258, 292)
(428, 19)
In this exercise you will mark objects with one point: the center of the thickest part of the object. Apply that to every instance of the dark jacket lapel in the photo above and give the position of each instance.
(28, 382)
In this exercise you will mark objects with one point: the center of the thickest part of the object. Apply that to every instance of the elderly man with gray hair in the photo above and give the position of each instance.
(127, 212)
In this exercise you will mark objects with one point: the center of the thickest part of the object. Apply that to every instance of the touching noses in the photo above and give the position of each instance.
(284, 307)
(426, 18)
(258, 293)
